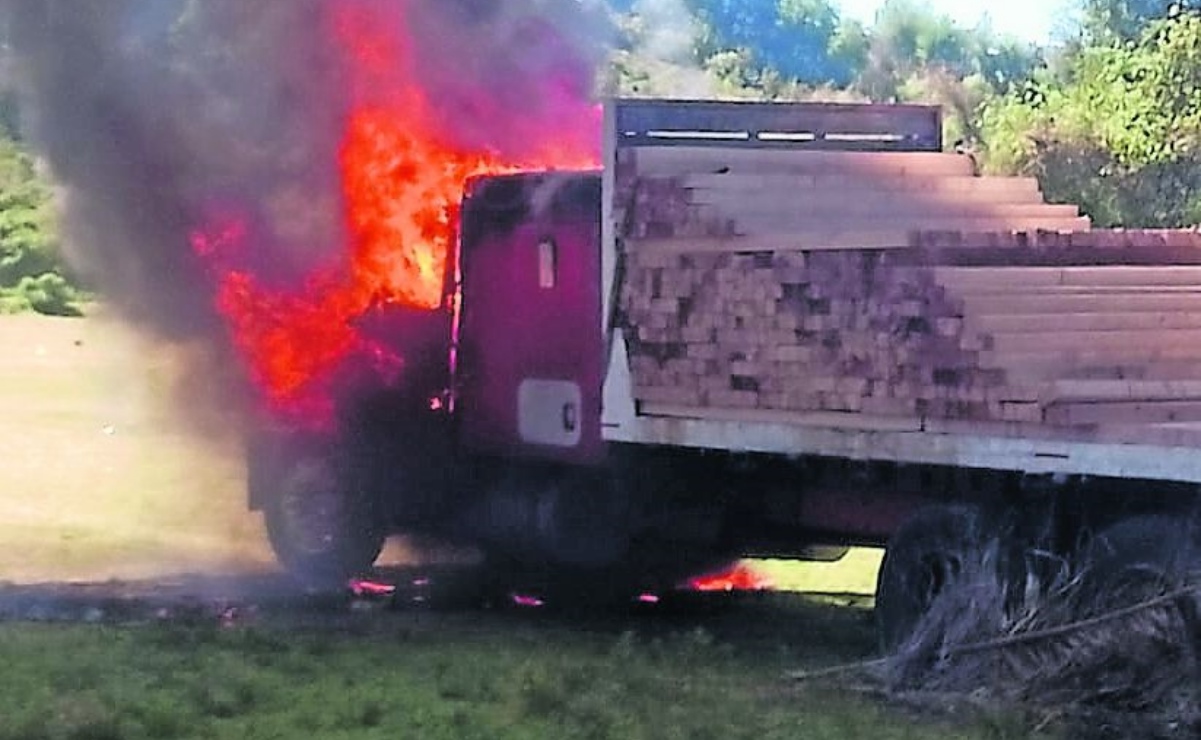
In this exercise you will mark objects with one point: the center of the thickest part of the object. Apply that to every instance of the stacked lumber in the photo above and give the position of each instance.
(1111, 345)
(797, 331)
(706, 198)
(898, 334)
(875, 333)
(887, 288)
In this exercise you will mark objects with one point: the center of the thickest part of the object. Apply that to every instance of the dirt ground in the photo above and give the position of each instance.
(102, 476)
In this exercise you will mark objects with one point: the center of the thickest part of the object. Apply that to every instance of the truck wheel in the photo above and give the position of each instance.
(1136, 559)
(322, 530)
(924, 558)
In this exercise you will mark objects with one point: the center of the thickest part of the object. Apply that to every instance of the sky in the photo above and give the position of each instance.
(1029, 20)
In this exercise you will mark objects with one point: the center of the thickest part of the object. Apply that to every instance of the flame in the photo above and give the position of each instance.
(363, 587)
(401, 177)
(739, 577)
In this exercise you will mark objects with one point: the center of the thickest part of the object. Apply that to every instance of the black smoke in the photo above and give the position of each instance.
(153, 115)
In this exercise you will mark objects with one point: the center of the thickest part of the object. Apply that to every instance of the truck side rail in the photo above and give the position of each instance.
(801, 126)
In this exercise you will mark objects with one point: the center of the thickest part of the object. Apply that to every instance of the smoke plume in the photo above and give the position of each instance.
(154, 115)
(664, 36)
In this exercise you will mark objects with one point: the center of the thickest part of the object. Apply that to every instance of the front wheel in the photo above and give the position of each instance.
(928, 556)
(322, 528)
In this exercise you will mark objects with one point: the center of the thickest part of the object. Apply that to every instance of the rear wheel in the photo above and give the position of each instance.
(1137, 558)
(926, 557)
(322, 527)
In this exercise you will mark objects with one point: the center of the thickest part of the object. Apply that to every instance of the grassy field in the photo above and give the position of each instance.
(444, 677)
(102, 480)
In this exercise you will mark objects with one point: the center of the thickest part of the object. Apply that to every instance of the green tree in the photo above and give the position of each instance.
(790, 37)
(31, 276)
(1107, 21)
(1122, 137)
(909, 38)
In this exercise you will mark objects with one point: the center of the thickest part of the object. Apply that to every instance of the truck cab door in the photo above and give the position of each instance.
(530, 372)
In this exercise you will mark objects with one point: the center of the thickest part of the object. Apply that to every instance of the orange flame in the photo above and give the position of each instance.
(740, 577)
(401, 179)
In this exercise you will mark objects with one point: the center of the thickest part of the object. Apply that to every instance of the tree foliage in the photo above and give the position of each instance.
(763, 43)
(30, 272)
(790, 37)
(1109, 21)
(1122, 137)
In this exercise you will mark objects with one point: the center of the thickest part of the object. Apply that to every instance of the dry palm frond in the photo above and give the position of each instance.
(1127, 660)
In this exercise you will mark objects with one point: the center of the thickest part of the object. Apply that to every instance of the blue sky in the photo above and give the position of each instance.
(1031, 20)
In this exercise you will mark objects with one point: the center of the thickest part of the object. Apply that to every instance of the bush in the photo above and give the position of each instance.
(48, 293)
(1121, 136)
(31, 270)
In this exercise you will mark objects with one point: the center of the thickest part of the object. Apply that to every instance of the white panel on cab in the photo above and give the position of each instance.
(548, 412)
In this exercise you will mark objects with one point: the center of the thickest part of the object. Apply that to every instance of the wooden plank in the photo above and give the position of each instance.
(1085, 358)
(1123, 412)
(834, 195)
(820, 183)
(1006, 251)
(976, 278)
(1090, 302)
(1039, 323)
(1064, 340)
(1051, 364)
(821, 227)
(687, 160)
(909, 213)
(784, 242)
(1020, 292)
(1042, 369)
(830, 239)
(827, 419)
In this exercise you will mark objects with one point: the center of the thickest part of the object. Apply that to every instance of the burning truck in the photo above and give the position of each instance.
(768, 329)
(626, 343)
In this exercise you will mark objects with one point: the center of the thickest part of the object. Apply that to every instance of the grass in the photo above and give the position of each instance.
(102, 481)
(451, 679)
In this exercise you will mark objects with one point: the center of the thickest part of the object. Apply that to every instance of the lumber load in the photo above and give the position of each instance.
(744, 199)
(796, 331)
(688, 160)
(885, 335)
(833, 266)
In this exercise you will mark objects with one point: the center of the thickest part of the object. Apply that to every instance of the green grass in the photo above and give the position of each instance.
(432, 680)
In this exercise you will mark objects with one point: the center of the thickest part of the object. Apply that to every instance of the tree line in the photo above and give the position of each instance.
(1109, 117)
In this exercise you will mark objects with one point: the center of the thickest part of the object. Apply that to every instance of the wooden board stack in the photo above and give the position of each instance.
(895, 288)
(705, 198)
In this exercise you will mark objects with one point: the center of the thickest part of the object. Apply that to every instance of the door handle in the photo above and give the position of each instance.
(570, 417)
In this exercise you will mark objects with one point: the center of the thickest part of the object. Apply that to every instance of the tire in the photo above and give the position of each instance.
(1136, 559)
(924, 558)
(323, 529)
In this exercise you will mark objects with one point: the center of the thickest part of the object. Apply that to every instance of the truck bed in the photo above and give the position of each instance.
(892, 305)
